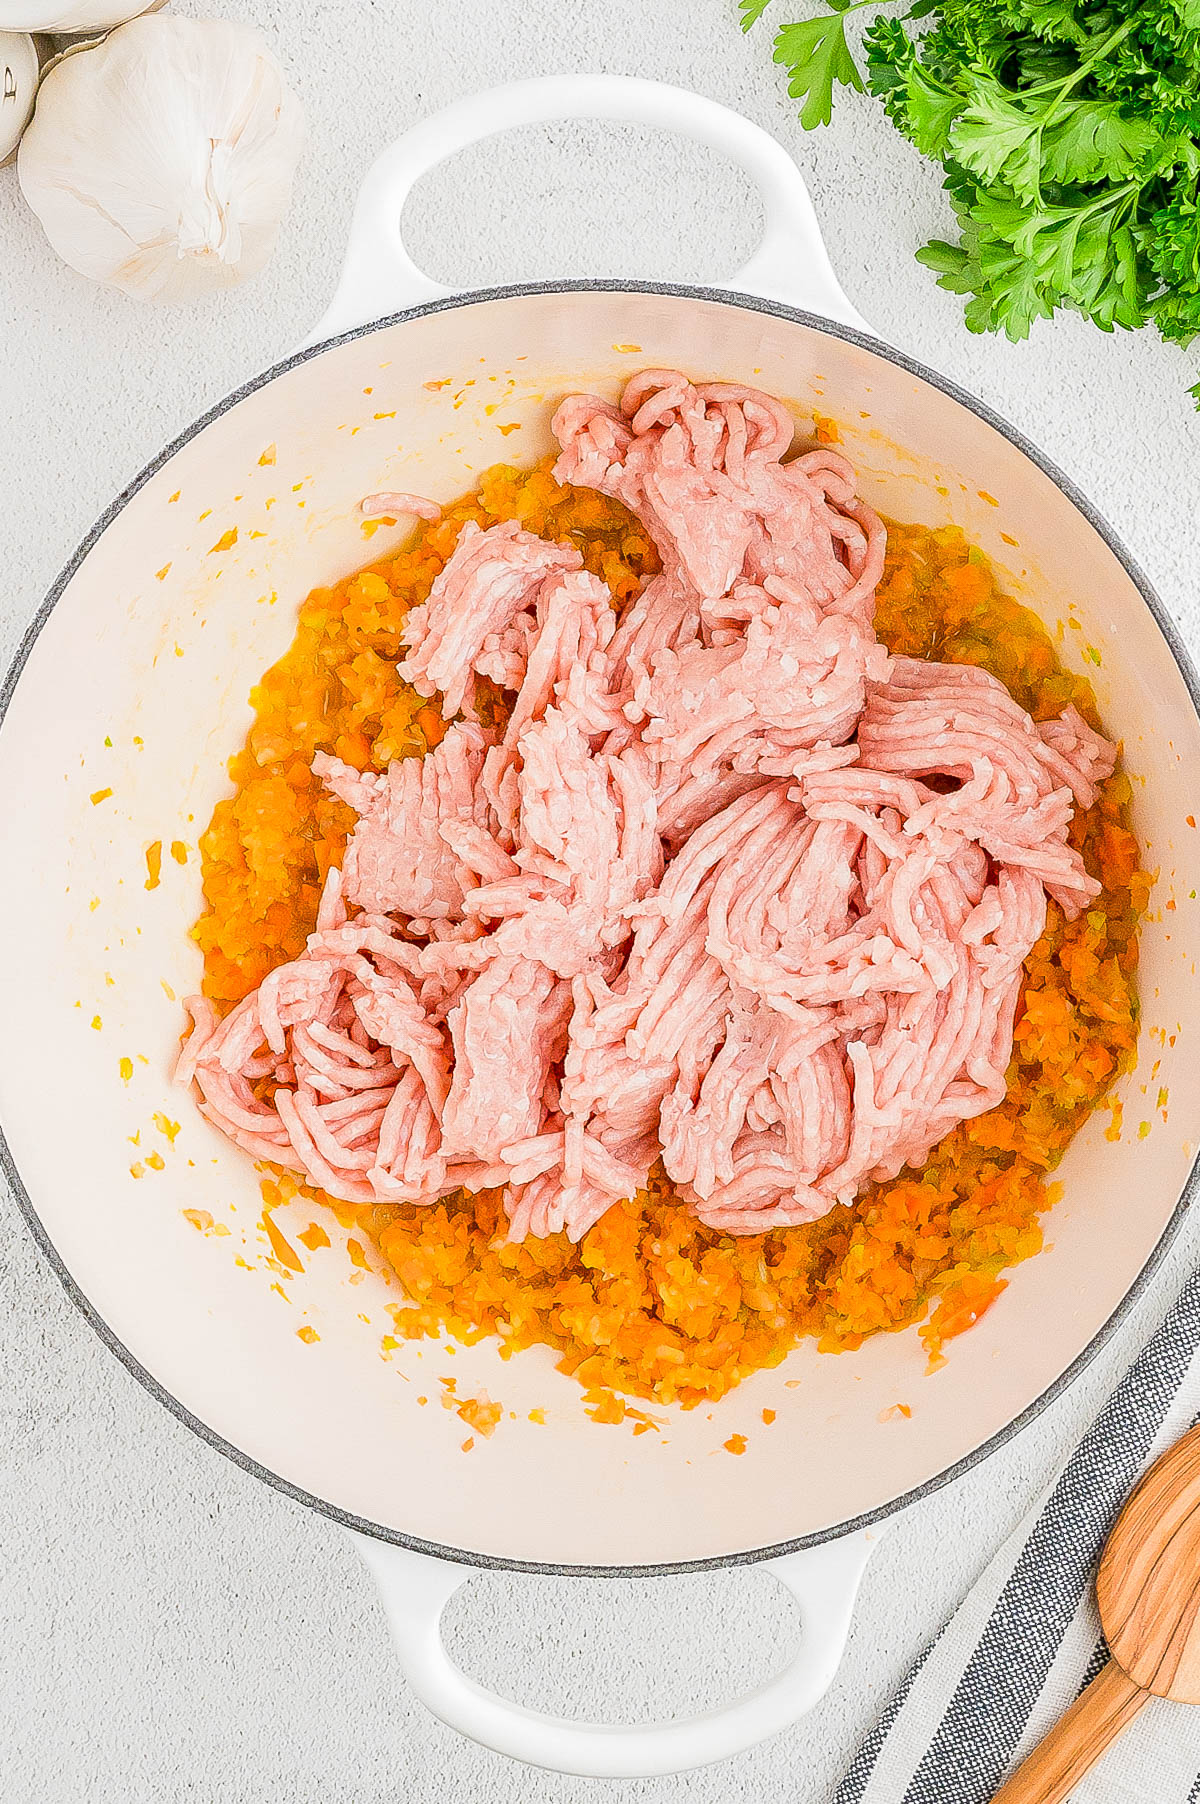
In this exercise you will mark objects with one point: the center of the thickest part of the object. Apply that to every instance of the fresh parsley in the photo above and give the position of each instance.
(1069, 136)
(816, 56)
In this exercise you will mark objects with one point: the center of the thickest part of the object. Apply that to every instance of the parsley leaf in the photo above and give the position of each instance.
(752, 11)
(1003, 286)
(998, 140)
(816, 55)
(1093, 138)
(1026, 143)
(1057, 20)
(923, 107)
(1174, 236)
(932, 111)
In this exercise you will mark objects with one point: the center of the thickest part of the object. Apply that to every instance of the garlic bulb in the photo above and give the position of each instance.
(161, 161)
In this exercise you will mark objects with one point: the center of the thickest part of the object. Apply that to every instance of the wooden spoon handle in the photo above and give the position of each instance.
(1076, 1742)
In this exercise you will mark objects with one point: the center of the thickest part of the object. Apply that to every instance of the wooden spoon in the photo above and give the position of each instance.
(1148, 1589)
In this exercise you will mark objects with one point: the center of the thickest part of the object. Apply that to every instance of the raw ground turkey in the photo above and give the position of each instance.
(650, 1301)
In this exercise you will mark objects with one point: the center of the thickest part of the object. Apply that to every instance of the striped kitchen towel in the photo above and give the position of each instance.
(1027, 1637)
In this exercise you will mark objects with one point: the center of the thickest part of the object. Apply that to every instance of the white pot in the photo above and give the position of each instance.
(152, 639)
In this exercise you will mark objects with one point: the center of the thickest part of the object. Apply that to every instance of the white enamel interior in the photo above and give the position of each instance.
(154, 645)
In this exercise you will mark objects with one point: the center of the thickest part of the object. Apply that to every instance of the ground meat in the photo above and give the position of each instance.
(729, 886)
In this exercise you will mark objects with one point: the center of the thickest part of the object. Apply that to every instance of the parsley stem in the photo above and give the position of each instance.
(1064, 87)
(1111, 198)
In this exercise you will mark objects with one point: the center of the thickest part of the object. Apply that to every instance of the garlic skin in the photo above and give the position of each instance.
(161, 161)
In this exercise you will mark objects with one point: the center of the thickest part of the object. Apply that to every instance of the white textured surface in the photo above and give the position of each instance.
(171, 1630)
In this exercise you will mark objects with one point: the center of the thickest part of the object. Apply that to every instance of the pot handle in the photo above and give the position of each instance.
(379, 277)
(416, 1589)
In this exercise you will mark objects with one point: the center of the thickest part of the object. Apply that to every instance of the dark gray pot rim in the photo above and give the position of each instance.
(1137, 1289)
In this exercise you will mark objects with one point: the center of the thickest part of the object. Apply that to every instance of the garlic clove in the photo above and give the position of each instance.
(19, 66)
(161, 161)
(68, 15)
